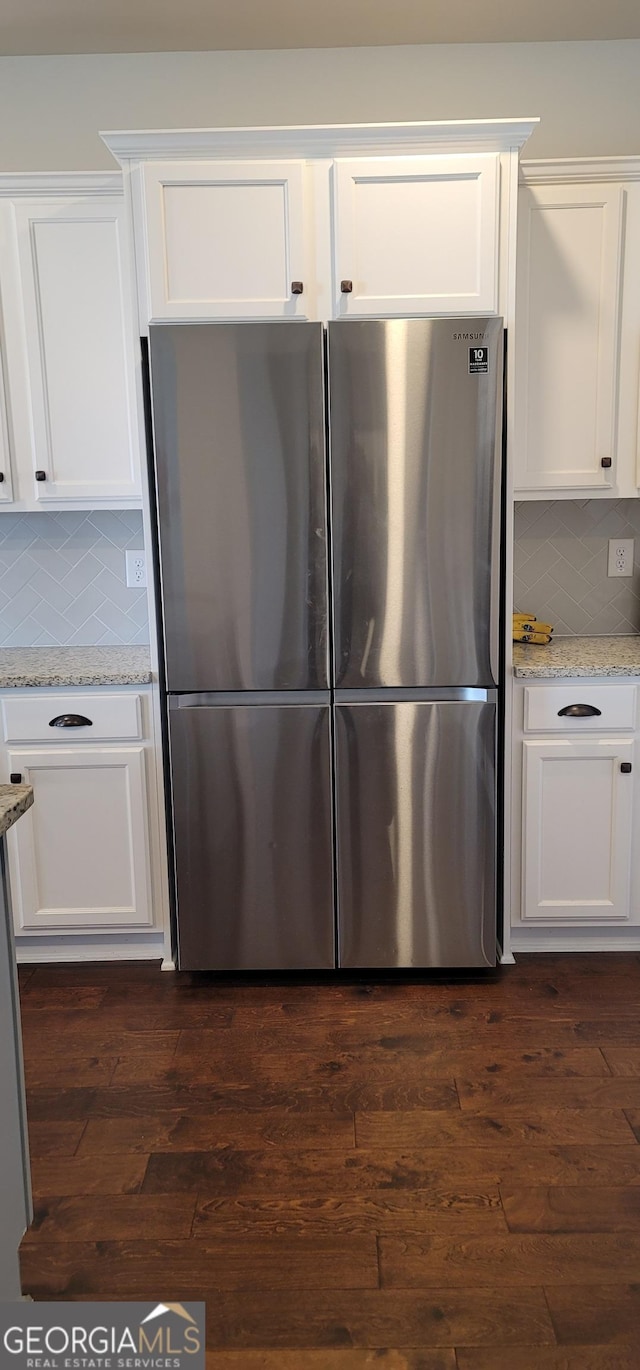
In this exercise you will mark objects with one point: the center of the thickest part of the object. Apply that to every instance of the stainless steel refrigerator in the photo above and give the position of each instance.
(328, 513)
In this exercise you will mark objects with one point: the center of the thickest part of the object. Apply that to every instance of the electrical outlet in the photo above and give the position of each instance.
(136, 564)
(620, 557)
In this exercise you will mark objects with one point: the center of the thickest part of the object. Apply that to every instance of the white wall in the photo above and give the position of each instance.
(587, 94)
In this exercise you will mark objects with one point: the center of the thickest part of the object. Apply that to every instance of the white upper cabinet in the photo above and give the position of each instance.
(79, 347)
(577, 332)
(416, 235)
(325, 221)
(71, 353)
(226, 240)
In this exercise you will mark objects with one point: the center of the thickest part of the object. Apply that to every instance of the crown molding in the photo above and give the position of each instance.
(333, 140)
(41, 184)
(580, 169)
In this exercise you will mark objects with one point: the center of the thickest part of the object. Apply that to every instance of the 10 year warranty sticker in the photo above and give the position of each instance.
(478, 361)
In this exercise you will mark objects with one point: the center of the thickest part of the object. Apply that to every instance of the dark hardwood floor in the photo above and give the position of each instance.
(411, 1176)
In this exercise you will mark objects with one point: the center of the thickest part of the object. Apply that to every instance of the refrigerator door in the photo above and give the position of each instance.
(416, 834)
(238, 417)
(415, 424)
(252, 836)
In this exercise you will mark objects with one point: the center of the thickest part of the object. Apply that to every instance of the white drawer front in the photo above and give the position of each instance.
(543, 706)
(111, 716)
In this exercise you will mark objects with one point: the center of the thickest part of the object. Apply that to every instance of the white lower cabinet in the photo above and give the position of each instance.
(82, 858)
(84, 864)
(575, 848)
(577, 829)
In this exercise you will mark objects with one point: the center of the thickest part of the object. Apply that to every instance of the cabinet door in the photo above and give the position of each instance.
(568, 305)
(80, 858)
(577, 829)
(416, 235)
(8, 273)
(80, 354)
(6, 484)
(225, 240)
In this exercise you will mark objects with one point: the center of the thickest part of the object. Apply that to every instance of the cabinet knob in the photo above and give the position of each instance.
(16, 778)
(71, 721)
(41, 475)
(346, 287)
(606, 462)
(579, 711)
(1, 477)
(297, 287)
(625, 767)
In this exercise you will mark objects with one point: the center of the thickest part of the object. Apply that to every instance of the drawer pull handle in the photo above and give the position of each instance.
(71, 721)
(579, 711)
(625, 767)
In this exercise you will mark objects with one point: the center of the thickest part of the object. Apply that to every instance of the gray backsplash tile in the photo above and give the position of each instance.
(560, 558)
(62, 579)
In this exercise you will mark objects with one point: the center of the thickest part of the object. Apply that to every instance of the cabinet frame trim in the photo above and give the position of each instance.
(320, 140)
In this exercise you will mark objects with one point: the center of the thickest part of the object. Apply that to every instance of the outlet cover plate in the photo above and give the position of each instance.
(620, 557)
(136, 569)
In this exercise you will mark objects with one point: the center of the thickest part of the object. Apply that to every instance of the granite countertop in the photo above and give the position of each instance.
(578, 656)
(14, 801)
(51, 666)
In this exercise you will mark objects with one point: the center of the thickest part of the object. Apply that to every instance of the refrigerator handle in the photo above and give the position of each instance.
(498, 516)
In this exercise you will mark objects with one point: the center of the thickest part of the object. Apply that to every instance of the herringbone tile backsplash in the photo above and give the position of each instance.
(62, 579)
(560, 565)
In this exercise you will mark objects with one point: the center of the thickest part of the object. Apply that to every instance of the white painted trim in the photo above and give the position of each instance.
(38, 185)
(569, 171)
(92, 949)
(315, 140)
(565, 942)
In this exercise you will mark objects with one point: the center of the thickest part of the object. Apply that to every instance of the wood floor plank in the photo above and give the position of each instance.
(36, 998)
(116, 1217)
(444, 1060)
(293, 1069)
(71, 1071)
(175, 1094)
(595, 1093)
(256, 1173)
(55, 1036)
(51, 1103)
(537, 1126)
(516, 1259)
(332, 1360)
(381, 1318)
(546, 1358)
(328, 1048)
(595, 1315)
(261, 1264)
(186, 1132)
(573, 1208)
(623, 1061)
(54, 1138)
(56, 1177)
(414, 1211)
